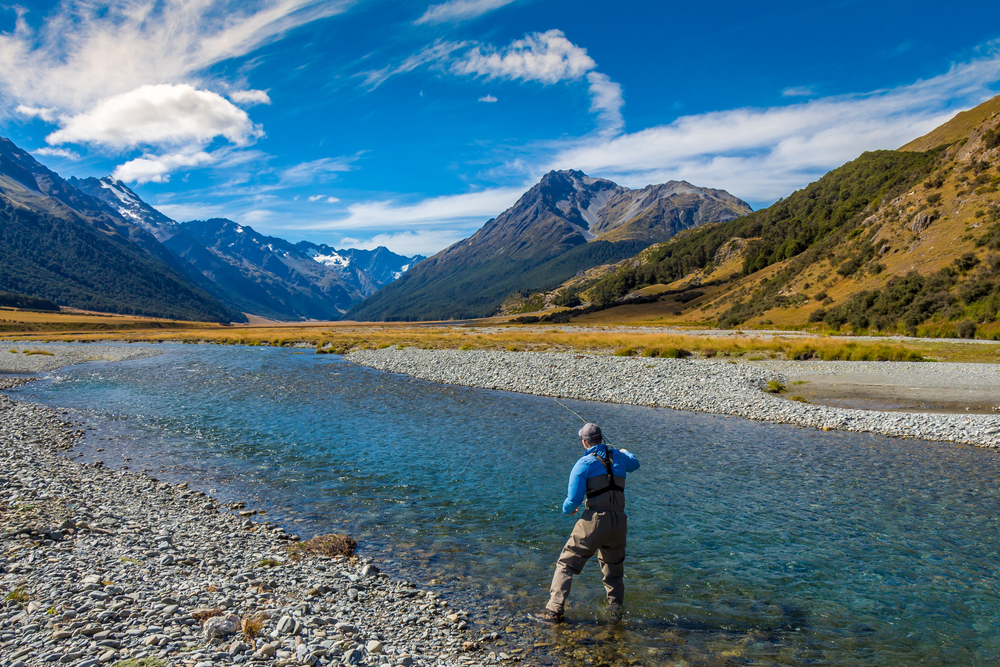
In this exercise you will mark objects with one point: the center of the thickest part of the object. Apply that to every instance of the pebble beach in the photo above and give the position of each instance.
(109, 567)
(702, 385)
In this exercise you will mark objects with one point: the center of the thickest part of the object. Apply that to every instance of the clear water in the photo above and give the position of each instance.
(750, 543)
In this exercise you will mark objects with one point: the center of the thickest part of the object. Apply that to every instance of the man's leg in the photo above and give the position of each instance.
(578, 550)
(612, 555)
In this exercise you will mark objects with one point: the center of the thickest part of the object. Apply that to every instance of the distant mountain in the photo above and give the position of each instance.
(59, 243)
(568, 222)
(261, 275)
(368, 270)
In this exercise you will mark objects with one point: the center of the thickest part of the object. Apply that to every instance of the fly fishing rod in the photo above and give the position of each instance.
(581, 418)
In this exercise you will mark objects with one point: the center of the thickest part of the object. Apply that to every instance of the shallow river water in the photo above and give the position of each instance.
(749, 543)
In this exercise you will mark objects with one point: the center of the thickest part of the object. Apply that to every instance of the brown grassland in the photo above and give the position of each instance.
(608, 332)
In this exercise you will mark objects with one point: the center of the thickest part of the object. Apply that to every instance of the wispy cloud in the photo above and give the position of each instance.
(546, 57)
(760, 154)
(474, 207)
(437, 52)
(132, 73)
(81, 55)
(798, 91)
(316, 171)
(57, 152)
(459, 10)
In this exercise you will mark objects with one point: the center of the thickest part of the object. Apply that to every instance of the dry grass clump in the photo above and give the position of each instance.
(252, 625)
(142, 662)
(332, 544)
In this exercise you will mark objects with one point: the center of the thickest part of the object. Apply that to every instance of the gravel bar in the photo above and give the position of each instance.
(44, 357)
(100, 566)
(702, 385)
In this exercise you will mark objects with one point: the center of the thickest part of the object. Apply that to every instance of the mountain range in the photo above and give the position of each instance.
(94, 244)
(565, 224)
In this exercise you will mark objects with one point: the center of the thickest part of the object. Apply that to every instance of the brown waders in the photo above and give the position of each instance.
(601, 530)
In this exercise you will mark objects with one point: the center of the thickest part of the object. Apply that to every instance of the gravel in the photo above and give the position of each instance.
(702, 385)
(44, 357)
(99, 566)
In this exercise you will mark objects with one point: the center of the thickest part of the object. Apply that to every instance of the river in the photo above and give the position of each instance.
(749, 543)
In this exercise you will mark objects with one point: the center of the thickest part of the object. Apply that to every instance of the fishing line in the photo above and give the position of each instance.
(581, 418)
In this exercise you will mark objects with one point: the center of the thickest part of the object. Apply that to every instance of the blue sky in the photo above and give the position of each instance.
(409, 124)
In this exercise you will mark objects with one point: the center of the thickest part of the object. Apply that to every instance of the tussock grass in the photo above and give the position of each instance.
(333, 544)
(251, 626)
(142, 662)
(18, 596)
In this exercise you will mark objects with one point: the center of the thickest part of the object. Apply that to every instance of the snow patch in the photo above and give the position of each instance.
(332, 260)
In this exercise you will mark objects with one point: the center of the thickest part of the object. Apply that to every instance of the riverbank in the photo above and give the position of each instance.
(720, 387)
(100, 566)
(45, 357)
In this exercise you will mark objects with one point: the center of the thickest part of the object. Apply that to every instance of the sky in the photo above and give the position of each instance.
(409, 124)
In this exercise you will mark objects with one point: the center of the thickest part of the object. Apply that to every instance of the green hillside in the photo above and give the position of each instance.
(74, 264)
(806, 226)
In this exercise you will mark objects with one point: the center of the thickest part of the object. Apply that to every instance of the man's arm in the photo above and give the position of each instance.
(577, 487)
(631, 463)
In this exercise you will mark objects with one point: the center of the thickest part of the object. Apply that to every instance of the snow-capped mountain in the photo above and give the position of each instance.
(257, 274)
(128, 204)
(370, 270)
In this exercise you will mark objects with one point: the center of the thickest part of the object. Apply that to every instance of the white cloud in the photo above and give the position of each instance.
(489, 99)
(762, 154)
(83, 53)
(48, 115)
(56, 152)
(475, 207)
(460, 10)
(547, 57)
(316, 197)
(606, 101)
(315, 171)
(157, 168)
(249, 98)
(798, 91)
(423, 242)
(435, 53)
(332, 200)
(161, 115)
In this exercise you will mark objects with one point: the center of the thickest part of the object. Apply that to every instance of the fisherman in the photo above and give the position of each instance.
(599, 476)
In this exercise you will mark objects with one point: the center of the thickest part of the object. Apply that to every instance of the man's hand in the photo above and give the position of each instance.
(624, 451)
(574, 511)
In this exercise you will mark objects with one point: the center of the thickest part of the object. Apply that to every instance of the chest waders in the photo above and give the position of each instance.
(601, 530)
(610, 486)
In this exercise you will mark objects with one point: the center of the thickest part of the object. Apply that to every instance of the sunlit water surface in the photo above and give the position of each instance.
(749, 543)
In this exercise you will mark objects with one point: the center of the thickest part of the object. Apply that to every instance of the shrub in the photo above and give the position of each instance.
(934, 198)
(966, 261)
(966, 329)
(775, 387)
(817, 315)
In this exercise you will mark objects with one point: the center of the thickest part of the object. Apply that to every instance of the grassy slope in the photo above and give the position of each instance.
(956, 129)
(962, 194)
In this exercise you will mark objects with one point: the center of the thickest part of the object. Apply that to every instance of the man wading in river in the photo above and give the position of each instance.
(599, 476)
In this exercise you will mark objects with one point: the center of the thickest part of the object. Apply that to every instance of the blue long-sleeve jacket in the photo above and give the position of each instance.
(588, 466)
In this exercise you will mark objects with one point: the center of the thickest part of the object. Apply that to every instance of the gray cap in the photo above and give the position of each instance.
(590, 432)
